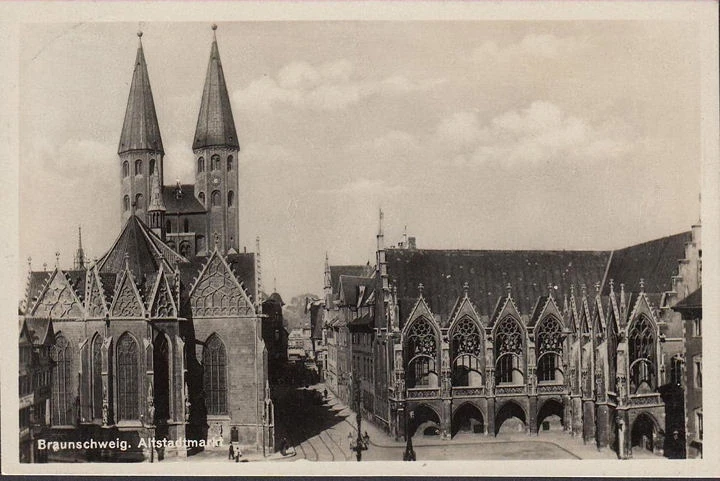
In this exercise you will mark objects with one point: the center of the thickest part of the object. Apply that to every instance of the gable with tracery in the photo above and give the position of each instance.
(58, 300)
(163, 304)
(127, 301)
(95, 305)
(217, 293)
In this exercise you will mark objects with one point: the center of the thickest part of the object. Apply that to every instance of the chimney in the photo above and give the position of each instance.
(411, 243)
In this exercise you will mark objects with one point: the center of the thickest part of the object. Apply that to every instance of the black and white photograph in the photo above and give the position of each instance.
(347, 240)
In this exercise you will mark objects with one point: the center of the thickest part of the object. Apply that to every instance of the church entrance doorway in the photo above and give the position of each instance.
(426, 422)
(642, 433)
(550, 417)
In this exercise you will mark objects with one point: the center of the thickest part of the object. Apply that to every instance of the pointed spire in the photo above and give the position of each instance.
(140, 129)
(215, 125)
(156, 200)
(80, 253)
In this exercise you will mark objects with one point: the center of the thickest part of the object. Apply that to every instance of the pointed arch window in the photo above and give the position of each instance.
(215, 198)
(466, 353)
(215, 376)
(231, 198)
(186, 225)
(62, 395)
(201, 196)
(641, 343)
(127, 378)
(139, 202)
(126, 169)
(138, 167)
(201, 165)
(152, 166)
(509, 348)
(549, 341)
(421, 353)
(230, 163)
(96, 379)
(215, 162)
(126, 203)
(168, 226)
(184, 248)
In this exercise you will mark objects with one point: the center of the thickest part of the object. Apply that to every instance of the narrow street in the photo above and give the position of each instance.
(322, 430)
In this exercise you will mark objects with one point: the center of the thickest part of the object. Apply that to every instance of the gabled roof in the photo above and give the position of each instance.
(242, 266)
(655, 262)
(143, 248)
(692, 302)
(140, 129)
(187, 204)
(215, 125)
(487, 272)
(40, 331)
(352, 287)
(337, 271)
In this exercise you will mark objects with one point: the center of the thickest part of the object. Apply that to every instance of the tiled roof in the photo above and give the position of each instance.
(187, 204)
(655, 262)
(487, 272)
(35, 284)
(362, 322)
(351, 288)
(691, 302)
(337, 271)
(140, 129)
(142, 247)
(41, 330)
(215, 125)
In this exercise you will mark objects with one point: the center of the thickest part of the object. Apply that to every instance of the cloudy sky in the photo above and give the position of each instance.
(480, 135)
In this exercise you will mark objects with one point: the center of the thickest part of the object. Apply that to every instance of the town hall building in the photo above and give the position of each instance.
(162, 335)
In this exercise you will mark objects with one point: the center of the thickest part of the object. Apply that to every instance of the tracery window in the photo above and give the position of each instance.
(421, 352)
(641, 342)
(168, 226)
(215, 376)
(549, 340)
(186, 225)
(201, 165)
(466, 352)
(127, 378)
(96, 369)
(215, 162)
(62, 396)
(184, 248)
(509, 348)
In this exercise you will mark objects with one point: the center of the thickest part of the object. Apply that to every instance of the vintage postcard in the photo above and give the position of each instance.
(360, 238)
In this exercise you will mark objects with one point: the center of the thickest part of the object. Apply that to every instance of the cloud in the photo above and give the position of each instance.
(541, 46)
(328, 87)
(537, 134)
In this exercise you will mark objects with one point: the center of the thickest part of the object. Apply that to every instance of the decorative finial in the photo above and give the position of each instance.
(642, 285)
(583, 289)
(466, 288)
(57, 258)
(217, 240)
(550, 288)
(508, 288)
(421, 288)
(140, 33)
(612, 285)
(45, 266)
(572, 290)
(29, 259)
(597, 287)
(214, 27)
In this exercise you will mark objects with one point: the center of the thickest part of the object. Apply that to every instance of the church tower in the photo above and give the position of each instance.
(141, 149)
(216, 147)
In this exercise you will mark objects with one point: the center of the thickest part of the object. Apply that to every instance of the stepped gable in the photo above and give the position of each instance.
(487, 272)
(187, 204)
(143, 248)
(655, 262)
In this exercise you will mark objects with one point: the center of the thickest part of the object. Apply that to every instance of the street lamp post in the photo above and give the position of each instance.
(358, 418)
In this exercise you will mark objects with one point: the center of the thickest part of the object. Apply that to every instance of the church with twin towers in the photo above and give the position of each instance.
(161, 336)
